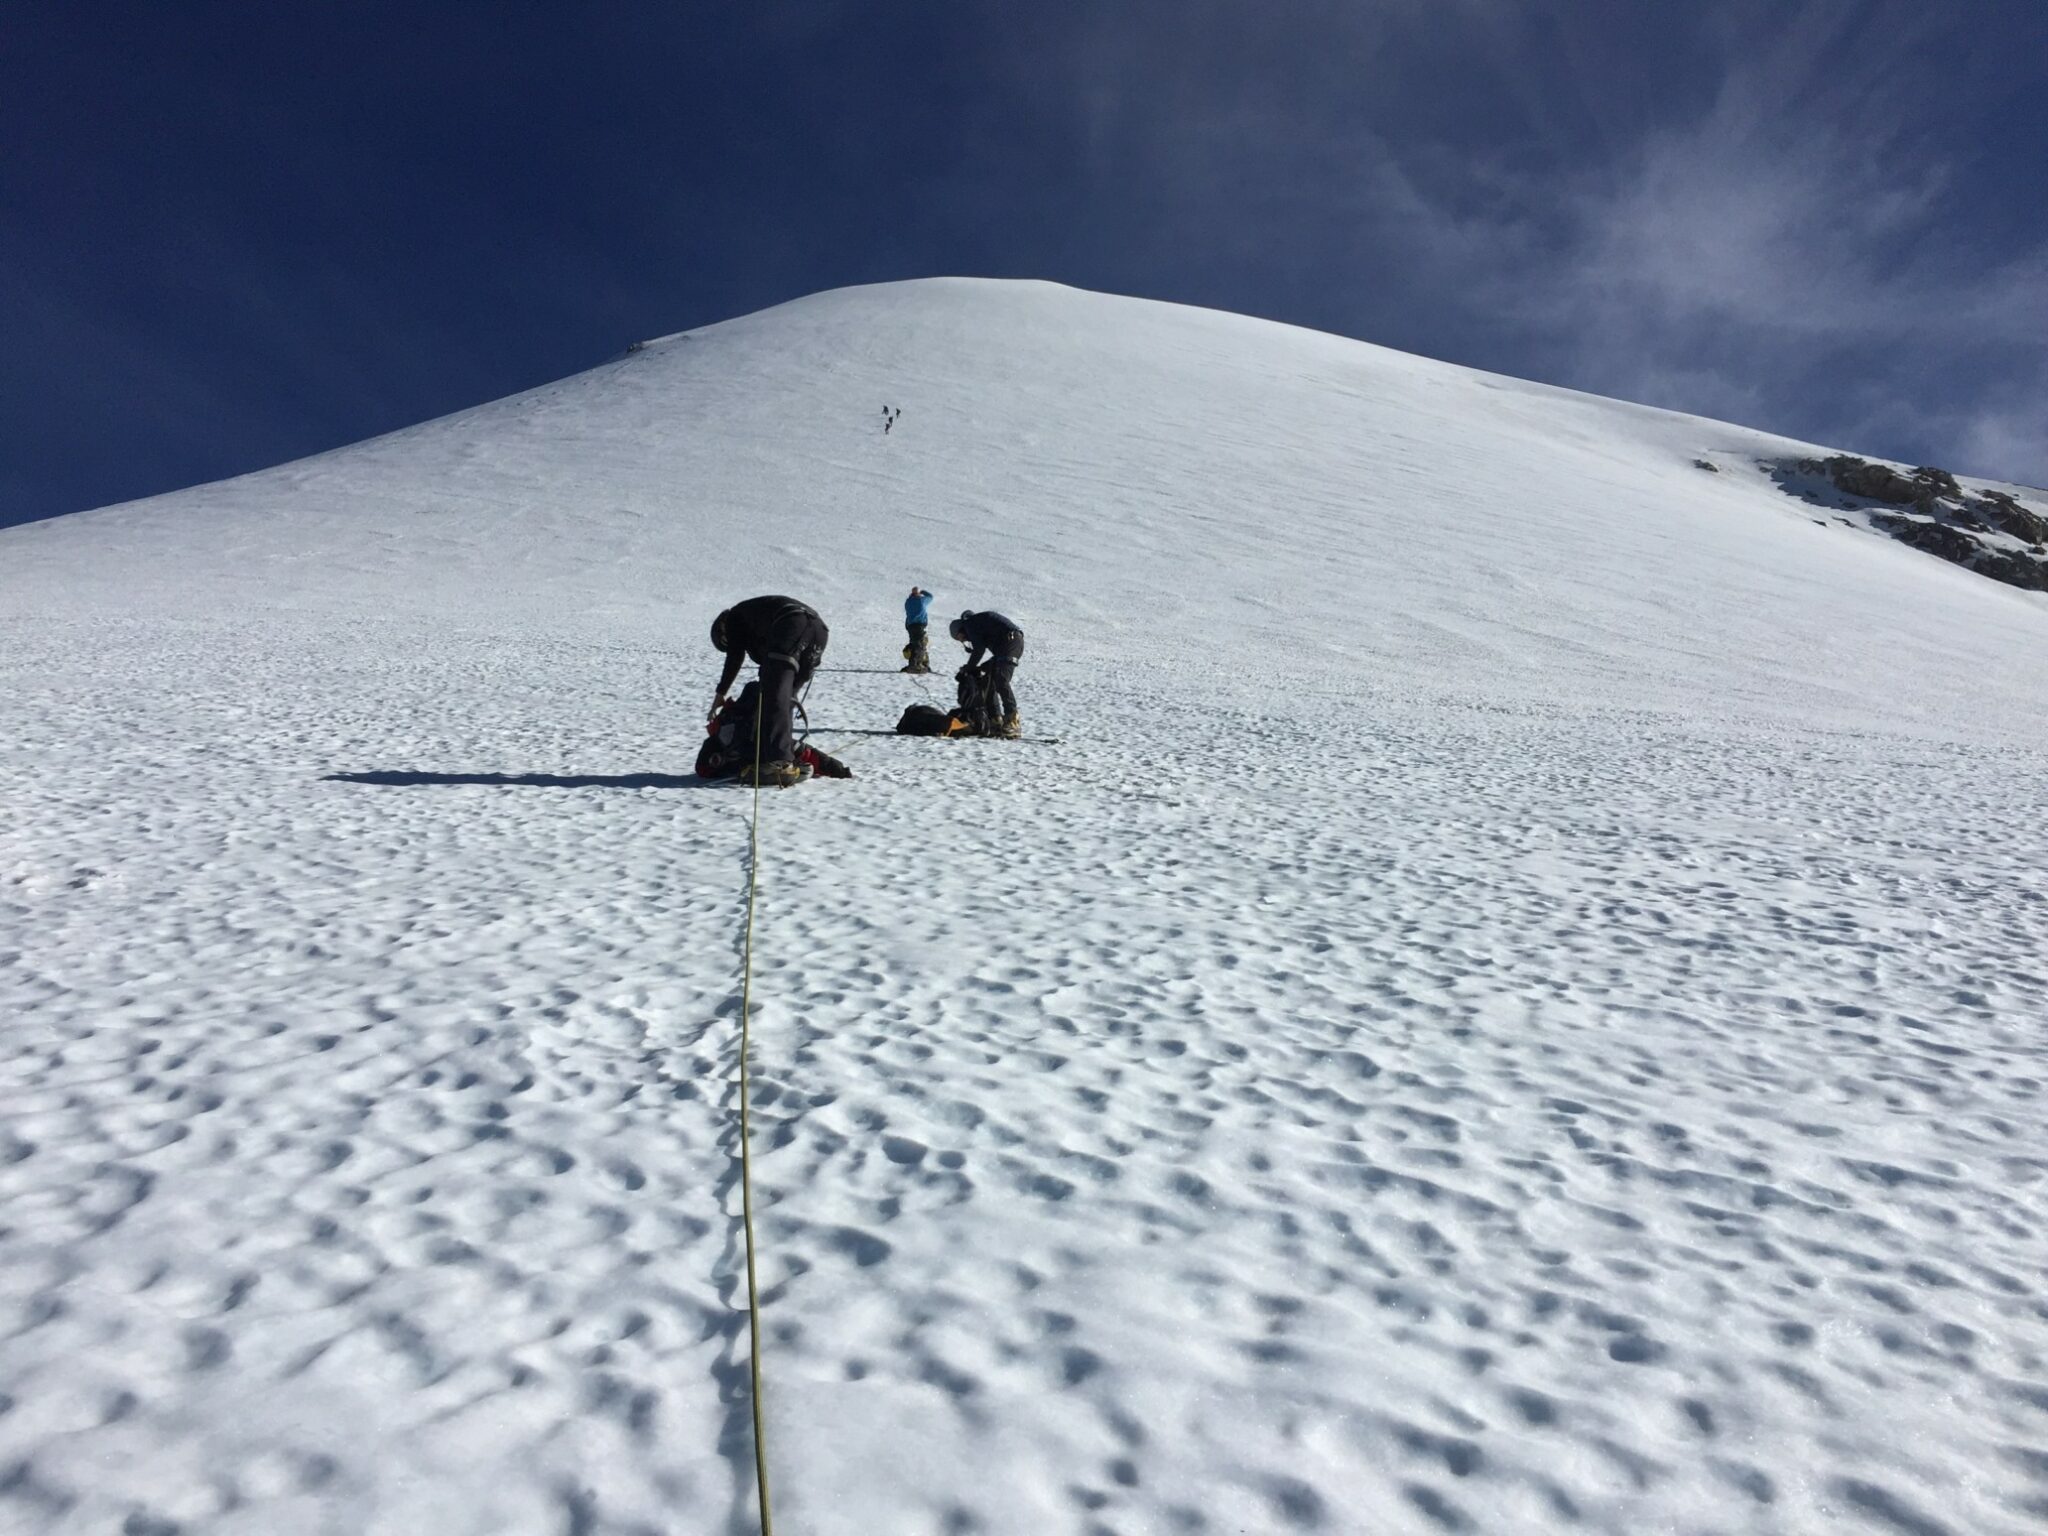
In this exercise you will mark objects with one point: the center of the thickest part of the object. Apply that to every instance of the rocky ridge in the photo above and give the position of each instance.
(1988, 531)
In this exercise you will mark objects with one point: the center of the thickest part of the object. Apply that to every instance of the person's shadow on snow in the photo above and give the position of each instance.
(400, 779)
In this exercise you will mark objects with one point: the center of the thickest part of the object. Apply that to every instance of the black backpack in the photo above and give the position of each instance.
(730, 746)
(924, 720)
(978, 712)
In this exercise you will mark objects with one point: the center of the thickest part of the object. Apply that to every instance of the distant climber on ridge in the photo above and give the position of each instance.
(990, 631)
(786, 639)
(917, 614)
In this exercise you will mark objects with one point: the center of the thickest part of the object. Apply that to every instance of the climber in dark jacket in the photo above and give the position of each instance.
(786, 639)
(990, 631)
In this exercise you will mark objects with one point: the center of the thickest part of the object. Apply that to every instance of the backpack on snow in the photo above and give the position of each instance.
(729, 746)
(977, 714)
(924, 720)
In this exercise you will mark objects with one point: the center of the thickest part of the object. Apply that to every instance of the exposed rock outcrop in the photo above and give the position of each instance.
(1990, 532)
(2005, 511)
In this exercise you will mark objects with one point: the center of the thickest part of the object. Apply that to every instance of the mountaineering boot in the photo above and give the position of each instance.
(1012, 726)
(773, 775)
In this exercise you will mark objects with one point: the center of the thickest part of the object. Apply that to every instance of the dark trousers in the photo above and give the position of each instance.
(1002, 666)
(917, 653)
(788, 659)
(778, 703)
(1000, 670)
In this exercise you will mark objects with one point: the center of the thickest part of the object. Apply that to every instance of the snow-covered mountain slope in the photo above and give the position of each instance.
(1516, 1004)
(1147, 481)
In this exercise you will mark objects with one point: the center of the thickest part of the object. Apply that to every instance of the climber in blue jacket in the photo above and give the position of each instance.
(917, 612)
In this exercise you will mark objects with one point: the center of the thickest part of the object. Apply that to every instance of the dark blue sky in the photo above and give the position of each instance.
(235, 234)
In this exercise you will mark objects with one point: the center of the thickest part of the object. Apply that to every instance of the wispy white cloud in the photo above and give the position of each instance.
(1770, 224)
(1805, 201)
(1795, 255)
(2007, 435)
(1802, 233)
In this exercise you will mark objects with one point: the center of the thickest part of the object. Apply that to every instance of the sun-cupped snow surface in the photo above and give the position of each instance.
(1513, 1004)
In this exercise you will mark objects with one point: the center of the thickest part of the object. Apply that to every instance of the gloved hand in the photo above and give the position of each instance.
(716, 705)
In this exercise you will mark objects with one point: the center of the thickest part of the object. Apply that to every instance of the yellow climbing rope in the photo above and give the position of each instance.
(746, 1153)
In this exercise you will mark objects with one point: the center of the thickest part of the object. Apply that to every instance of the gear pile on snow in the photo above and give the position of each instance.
(730, 745)
(978, 712)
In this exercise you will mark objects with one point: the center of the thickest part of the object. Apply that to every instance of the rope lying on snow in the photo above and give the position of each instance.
(746, 1126)
(746, 1153)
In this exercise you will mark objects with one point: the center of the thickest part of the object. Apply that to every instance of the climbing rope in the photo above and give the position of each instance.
(746, 1152)
(746, 1123)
